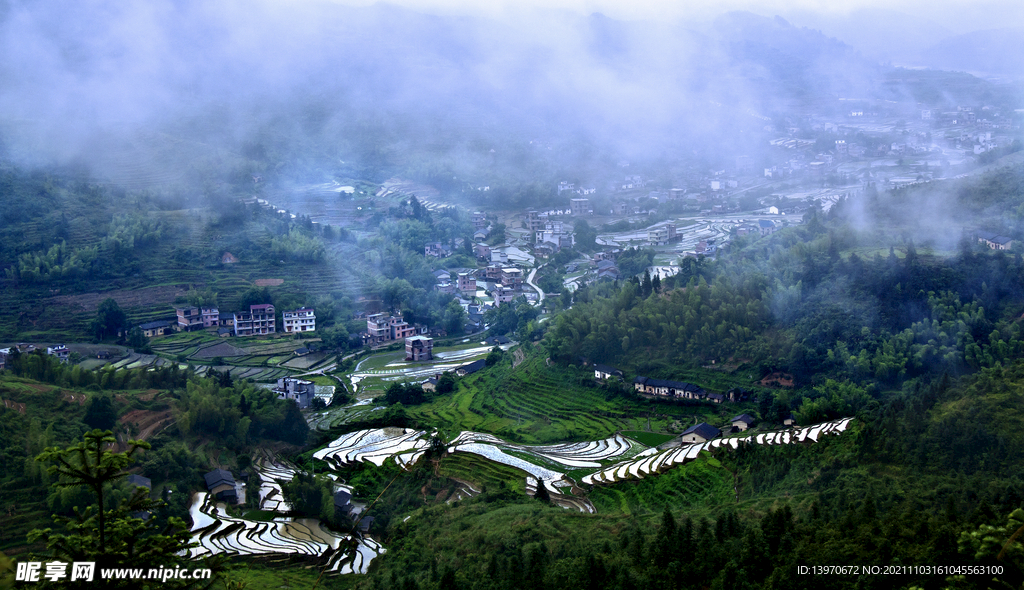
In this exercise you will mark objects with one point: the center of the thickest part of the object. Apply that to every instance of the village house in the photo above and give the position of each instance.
(662, 234)
(419, 348)
(299, 320)
(157, 328)
(492, 273)
(699, 433)
(579, 206)
(604, 372)
(470, 368)
(482, 251)
(545, 249)
(512, 277)
(742, 422)
(189, 318)
(377, 329)
(467, 283)
(995, 242)
(737, 394)
(258, 320)
(139, 481)
(445, 287)
(221, 484)
(431, 384)
(437, 250)
(479, 220)
(533, 220)
(766, 226)
(503, 294)
(342, 502)
(300, 390)
(664, 387)
(211, 317)
(400, 329)
(60, 351)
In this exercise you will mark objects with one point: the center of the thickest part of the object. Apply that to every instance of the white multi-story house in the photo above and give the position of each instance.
(300, 320)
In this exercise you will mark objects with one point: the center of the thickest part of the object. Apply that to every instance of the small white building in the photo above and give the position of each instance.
(60, 351)
(299, 320)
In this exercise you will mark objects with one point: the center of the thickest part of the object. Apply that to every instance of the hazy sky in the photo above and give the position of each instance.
(960, 16)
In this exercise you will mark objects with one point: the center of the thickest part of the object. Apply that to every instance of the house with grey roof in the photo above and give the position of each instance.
(699, 433)
(221, 484)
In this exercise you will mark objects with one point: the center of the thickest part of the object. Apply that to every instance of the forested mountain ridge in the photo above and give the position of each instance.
(826, 299)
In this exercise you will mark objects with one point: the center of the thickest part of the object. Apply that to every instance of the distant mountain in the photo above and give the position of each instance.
(880, 34)
(995, 52)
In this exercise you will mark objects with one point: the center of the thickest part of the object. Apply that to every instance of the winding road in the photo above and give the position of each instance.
(540, 292)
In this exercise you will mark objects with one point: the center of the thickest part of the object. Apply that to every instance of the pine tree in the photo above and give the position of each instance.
(542, 492)
(109, 536)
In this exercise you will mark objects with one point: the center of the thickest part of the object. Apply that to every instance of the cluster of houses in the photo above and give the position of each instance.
(258, 320)
(383, 328)
(669, 388)
(703, 432)
(57, 350)
(552, 235)
(505, 281)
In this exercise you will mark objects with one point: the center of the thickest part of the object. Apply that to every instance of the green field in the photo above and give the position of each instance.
(651, 439)
(701, 483)
(535, 403)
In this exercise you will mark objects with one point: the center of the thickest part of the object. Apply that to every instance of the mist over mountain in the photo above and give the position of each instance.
(993, 52)
(82, 81)
(880, 34)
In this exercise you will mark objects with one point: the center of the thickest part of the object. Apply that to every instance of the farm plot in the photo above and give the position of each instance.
(335, 417)
(652, 461)
(217, 533)
(558, 498)
(222, 349)
(285, 348)
(375, 446)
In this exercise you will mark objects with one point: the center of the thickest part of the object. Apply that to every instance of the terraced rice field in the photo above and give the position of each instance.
(335, 417)
(375, 446)
(605, 461)
(218, 533)
(650, 463)
(532, 404)
(375, 372)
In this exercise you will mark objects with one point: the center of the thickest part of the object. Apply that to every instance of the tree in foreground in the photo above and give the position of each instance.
(112, 537)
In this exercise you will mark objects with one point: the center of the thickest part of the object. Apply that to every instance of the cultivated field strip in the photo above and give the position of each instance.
(567, 501)
(613, 459)
(648, 463)
(372, 446)
(217, 533)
